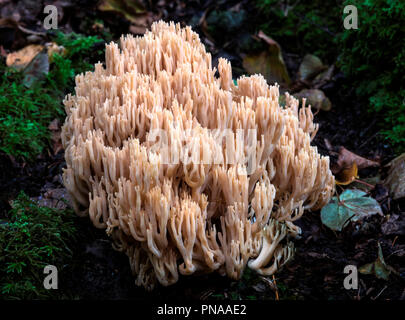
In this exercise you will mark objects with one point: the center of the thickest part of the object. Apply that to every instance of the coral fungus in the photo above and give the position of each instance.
(187, 171)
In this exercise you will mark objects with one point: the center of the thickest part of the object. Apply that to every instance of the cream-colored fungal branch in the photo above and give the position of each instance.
(185, 170)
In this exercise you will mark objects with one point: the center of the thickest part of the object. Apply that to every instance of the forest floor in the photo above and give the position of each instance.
(96, 271)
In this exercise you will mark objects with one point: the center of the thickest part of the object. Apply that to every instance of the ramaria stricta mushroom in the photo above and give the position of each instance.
(187, 171)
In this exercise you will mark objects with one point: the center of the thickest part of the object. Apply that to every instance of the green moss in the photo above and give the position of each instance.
(32, 238)
(25, 113)
(303, 27)
(373, 58)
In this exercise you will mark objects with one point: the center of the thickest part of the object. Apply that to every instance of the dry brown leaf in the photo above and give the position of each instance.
(267, 39)
(346, 158)
(130, 9)
(324, 77)
(347, 175)
(310, 67)
(269, 63)
(396, 177)
(21, 58)
(316, 98)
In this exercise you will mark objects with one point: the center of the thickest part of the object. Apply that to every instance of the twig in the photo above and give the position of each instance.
(393, 241)
(379, 293)
(365, 183)
(368, 140)
(275, 284)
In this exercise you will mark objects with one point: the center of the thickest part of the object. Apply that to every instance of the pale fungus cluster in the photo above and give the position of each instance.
(188, 171)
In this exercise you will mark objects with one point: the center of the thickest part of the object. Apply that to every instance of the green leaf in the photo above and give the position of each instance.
(352, 205)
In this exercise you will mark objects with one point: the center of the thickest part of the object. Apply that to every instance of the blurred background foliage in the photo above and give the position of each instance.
(373, 58)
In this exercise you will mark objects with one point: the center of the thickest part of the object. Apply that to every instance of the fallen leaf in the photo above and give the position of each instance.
(316, 98)
(21, 58)
(347, 175)
(310, 67)
(36, 69)
(324, 77)
(269, 63)
(130, 9)
(346, 158)
(396, 177)
(379, 268)
(351, 205)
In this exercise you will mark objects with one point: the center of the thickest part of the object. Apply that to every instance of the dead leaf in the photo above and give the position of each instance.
(269, 63)
(316, 98)
(379, 268)
(310, 67)
(396, 177)
(324, 77)
(347, 175)
(346, 158)
(130, 9)
(21, 58)
(36, 69)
